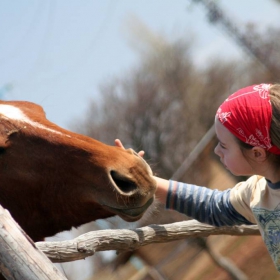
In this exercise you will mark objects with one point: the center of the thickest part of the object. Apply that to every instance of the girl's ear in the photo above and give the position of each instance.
(259, 154)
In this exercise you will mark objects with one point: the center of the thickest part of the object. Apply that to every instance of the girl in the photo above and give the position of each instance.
(248, 129)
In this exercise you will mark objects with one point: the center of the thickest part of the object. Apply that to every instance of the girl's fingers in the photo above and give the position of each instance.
(119, 144)
(141, 153)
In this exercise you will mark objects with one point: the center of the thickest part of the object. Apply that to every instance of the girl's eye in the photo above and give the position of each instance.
(222, 146)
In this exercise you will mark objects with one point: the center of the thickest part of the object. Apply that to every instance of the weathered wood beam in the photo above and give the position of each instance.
(124, 239)
(19, 257)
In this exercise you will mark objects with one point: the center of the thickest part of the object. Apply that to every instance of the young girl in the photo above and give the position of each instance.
(248, 129)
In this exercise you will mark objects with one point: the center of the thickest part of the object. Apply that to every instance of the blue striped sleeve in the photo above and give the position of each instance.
(205, 205)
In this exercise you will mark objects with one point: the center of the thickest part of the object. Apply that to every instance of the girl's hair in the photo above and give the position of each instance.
(274, 132)
(275, 121)
(274, 91)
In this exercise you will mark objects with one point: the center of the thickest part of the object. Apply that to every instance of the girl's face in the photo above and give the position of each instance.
(230, 152)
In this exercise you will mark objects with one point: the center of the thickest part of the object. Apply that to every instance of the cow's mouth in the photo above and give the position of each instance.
(131, 214)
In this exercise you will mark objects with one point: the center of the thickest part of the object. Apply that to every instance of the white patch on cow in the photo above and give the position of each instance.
(14, 113)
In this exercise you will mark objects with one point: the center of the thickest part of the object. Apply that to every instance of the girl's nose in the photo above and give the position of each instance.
(216, 150)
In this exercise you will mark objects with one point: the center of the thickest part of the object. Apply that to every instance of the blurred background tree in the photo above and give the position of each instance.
(166, 104)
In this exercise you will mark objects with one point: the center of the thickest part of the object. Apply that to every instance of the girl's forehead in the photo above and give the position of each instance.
(222, 132)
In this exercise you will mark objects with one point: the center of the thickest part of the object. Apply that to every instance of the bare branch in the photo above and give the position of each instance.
(124, 239)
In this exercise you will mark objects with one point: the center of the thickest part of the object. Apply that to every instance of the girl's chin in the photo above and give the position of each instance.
(233, 173)
(239, 174)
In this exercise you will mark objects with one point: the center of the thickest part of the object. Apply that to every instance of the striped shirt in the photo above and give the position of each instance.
(205, 205)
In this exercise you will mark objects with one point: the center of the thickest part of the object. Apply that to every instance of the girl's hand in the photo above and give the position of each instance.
(162, 184)
(119, 144)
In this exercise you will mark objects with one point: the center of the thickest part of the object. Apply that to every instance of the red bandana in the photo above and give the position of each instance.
(247, 114)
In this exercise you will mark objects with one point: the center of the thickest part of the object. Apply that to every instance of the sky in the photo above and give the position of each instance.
(58, 53)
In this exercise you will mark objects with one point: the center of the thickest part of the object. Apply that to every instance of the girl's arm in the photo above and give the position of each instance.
(162, 189)
(203, 204)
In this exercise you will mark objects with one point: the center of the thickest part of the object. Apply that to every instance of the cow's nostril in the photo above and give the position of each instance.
(123, 183)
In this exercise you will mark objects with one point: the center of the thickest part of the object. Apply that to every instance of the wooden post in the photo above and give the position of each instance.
(19, 256)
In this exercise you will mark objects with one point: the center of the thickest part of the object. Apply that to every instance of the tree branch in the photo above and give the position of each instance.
(124, 239)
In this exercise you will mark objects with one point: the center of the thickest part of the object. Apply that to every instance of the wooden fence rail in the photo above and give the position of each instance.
(130, 239)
